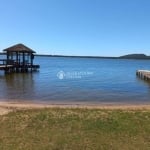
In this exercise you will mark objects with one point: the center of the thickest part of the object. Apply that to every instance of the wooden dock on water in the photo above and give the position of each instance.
(19, 58)
(143, 74)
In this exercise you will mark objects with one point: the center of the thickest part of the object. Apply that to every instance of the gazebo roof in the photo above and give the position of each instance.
(19, 48)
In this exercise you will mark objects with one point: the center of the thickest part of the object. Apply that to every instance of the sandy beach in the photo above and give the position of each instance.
(6, 107)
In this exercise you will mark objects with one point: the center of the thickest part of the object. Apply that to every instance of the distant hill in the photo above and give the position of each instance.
(135, 56)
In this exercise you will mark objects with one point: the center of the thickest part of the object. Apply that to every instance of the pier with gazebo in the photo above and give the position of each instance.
(19, 58)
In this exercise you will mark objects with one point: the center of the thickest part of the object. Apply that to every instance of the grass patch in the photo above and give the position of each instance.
(75, 129)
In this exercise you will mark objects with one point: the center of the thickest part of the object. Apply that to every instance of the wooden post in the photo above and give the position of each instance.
(17, 57)
(23, 67)
(32, 57)
(16, 68)
(7, 61)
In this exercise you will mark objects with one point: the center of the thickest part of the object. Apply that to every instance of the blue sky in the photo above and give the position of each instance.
(77, 27)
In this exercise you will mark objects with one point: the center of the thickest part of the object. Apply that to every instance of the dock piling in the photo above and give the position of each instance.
(143, 74)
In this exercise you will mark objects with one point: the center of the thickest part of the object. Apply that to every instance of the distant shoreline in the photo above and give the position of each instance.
(129, 56)
(101, 57)
(132, 56)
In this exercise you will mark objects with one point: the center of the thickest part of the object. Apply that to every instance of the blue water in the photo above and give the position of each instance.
(77, 80)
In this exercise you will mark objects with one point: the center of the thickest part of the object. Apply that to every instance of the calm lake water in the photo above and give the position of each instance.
(77, 80)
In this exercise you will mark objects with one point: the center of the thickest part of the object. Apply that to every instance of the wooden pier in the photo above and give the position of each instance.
(19, 58)
(143, 74)
(14, 68)
(6, 67)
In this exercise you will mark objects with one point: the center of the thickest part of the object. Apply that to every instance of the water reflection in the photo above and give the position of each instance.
(17, 86)
(144, 82)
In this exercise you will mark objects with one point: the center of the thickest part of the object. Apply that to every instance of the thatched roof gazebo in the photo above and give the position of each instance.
(21, 57)
(19, 48)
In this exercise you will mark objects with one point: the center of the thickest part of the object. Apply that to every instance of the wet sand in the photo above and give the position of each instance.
(6, 107)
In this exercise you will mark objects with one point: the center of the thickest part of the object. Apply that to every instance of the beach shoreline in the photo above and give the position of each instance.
(6, 107)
